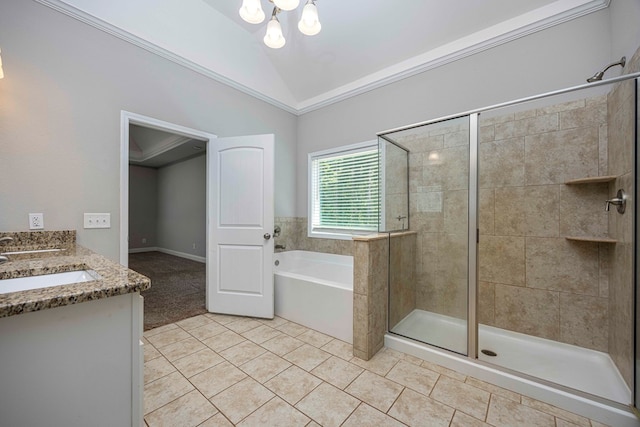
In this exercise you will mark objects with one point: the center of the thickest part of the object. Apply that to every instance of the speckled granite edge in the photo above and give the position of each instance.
(38, 239)
(116, 280)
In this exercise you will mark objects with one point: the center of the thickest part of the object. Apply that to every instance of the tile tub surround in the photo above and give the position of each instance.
(116, 279)
(370, 294)
(194, 377)
(294, 237)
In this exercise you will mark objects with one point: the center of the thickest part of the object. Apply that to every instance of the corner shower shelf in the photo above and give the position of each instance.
(591, 180)
(591, 239)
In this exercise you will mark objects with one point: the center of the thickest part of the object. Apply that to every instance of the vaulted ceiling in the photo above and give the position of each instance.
(363, 44)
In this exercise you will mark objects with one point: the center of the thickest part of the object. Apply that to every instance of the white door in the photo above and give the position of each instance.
(240, 249)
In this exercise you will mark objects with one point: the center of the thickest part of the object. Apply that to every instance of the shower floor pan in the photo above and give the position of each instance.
(582, 369)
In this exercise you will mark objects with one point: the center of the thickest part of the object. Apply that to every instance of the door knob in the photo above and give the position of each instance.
(267, 236)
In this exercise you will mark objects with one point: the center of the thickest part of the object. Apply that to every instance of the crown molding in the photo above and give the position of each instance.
(537, 20)
(159, 148)
(118, 32)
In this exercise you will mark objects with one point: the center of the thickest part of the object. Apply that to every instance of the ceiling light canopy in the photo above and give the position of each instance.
(251, 11)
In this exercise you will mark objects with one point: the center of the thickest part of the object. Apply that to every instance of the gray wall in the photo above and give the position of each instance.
(625, 31)
(167, 207)
(67, 82)
(558, 57)
(182, 206)
(60, 101)
(143, 207)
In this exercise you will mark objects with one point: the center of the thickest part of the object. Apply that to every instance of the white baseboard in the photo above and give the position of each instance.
(183, 255)
(170, 252)
(139, 250)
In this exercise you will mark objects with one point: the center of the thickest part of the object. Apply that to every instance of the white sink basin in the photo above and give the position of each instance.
(47, 280)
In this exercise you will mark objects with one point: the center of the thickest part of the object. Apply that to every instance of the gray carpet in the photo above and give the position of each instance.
(177, 287)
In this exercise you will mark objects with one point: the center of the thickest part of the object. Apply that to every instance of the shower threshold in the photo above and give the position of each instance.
(571, 366)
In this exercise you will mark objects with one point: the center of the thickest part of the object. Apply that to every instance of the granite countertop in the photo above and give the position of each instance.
(116, 279)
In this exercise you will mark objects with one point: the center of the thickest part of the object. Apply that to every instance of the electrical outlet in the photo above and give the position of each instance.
(194, 246)
(36, 221)
(97, 220)
(144, 240)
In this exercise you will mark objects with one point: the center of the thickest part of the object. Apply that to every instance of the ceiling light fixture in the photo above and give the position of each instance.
(274, 37)
(251, 11)
(309, 23)
(286, 4)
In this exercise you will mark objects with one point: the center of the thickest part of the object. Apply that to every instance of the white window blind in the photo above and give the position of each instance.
(344, 190)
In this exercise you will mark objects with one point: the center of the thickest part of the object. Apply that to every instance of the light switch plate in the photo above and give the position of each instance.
(97, 220)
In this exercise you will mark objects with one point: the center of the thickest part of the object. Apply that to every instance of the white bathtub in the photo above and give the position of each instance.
(315, 290)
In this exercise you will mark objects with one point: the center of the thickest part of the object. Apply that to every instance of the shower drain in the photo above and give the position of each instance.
(489, 353)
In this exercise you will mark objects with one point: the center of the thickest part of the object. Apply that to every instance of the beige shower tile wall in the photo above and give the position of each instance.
(533, 280)
(402, 276)
(622, 119)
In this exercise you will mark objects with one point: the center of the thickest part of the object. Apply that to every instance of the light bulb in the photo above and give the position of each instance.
(309, 23)
(274, 38)
(251, 11)
(286, 4)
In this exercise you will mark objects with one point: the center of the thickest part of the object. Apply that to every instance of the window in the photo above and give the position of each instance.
(343, 191)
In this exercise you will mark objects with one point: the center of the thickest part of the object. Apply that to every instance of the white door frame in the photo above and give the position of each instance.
(127, 118)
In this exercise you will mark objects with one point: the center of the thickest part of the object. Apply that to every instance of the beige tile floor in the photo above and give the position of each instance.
(215, 370)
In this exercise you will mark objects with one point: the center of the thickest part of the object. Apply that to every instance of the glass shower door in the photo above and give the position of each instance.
(435, 309)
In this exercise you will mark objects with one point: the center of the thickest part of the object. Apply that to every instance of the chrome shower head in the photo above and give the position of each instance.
(598, 76)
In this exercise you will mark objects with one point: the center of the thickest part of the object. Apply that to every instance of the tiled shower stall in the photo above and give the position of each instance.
(551, 262)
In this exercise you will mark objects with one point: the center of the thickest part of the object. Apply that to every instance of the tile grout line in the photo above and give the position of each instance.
(492, 395)
(248, 376)
(195, 388)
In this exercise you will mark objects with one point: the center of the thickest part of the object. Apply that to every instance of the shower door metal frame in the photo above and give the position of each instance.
(510, 103)
(381, 176)
(474, 234)
(636, 245)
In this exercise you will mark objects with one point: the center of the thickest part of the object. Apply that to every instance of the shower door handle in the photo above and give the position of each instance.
(267, 236)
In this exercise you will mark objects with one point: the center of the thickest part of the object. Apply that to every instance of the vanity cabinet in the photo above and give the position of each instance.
(75, 365)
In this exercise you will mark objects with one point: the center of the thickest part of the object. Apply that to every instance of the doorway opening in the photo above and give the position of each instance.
(164, 212)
